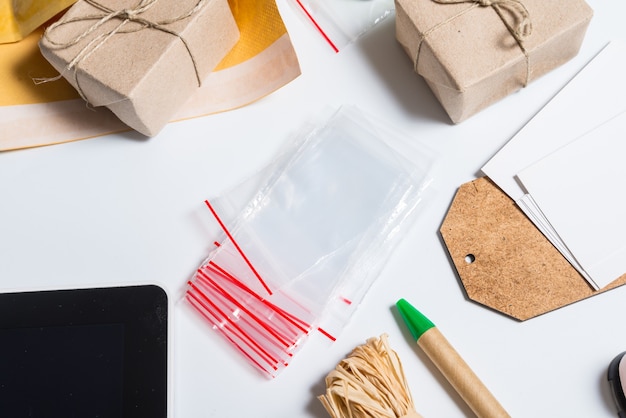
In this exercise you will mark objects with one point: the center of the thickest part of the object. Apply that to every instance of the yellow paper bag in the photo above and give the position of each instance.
(18, 18)
(32, 115)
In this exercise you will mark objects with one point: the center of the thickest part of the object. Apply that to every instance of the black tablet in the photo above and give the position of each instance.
(84, 353)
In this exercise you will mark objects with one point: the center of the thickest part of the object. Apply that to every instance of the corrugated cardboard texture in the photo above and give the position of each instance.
(503, 260)
(469, 58)
(142, 73)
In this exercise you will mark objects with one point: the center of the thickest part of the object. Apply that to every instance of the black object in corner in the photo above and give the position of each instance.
(615, 379)
(84, 353)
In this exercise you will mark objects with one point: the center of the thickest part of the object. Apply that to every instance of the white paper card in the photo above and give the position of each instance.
(596, 94)
(580, 191)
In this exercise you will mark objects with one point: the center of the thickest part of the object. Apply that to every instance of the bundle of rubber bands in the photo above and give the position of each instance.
(369, 383)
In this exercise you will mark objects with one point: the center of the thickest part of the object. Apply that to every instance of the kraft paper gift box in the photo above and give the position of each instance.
(473, 53)
(141, 58)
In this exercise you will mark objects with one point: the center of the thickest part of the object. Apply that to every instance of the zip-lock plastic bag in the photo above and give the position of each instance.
(305, 249)
(340, 22)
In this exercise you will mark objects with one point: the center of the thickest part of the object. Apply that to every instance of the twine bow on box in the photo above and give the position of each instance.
(513, 14)
(124, 16)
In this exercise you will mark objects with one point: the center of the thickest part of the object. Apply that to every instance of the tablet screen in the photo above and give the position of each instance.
(84, 353)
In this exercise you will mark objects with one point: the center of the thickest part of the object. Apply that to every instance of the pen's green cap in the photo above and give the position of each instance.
(417, 323)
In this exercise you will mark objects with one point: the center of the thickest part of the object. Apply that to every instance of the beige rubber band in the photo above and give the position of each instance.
(369, 383)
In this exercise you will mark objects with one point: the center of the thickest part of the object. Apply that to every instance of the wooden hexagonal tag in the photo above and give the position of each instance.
(503, 260)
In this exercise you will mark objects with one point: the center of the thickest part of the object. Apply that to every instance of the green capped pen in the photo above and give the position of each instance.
(450, 363)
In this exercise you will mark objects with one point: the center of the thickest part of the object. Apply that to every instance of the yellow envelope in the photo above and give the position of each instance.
(43, 114)
(18, 18)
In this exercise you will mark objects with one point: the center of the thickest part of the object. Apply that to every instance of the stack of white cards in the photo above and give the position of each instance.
(566, 169)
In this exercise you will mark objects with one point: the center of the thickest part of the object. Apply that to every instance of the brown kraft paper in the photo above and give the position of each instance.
(473, 53)
(142, 60)
(460, 375)
(504, 262)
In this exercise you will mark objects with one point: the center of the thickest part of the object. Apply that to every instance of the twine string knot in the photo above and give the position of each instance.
(514, 16)
(123, 16)
(129, 14)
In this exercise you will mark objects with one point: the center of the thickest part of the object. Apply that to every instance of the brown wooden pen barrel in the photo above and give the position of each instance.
(460, 376)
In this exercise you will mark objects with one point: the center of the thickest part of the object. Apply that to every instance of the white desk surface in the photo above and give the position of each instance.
(124, 210)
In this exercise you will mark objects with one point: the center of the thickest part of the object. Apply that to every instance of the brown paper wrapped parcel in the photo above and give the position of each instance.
(473, 53)
(140, 58)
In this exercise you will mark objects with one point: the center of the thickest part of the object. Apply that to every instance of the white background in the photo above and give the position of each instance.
(123, 209)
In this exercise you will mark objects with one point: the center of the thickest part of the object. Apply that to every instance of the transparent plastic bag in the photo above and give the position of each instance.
(340, 22)
(307, 246)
